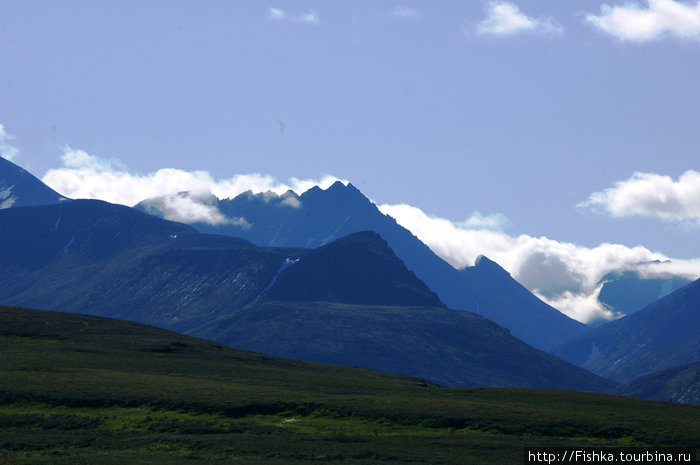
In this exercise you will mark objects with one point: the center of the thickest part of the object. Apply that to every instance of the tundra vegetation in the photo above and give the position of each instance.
(80, 389)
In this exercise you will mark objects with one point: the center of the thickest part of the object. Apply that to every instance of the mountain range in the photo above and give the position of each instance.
(319, 216)
(333, 293)
(348, 302)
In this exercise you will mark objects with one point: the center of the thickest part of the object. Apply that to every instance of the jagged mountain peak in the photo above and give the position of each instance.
(337, 192)
(486, 264)
(358, 269)
(318, 217)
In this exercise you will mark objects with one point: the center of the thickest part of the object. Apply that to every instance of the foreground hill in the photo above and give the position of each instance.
(679, 384)
(350, 301)
(19, 188)
(81, 389)
(318, 217)
(664, 334)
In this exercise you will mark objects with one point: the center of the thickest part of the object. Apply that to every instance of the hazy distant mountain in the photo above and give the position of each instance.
(679, 384)
(664, 334)
(351, 301)
(317, 217)
(18, 188)
(627, 291)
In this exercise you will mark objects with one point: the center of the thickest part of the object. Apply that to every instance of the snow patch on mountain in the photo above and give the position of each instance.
(6, 198)
(286, 264)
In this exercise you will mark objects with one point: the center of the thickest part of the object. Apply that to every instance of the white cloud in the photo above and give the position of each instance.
(565, 274)
(404, 12)
(189, 208)
(505, 19)
(651, 194)
(582, 306)
(276, 14)
(7, 150)
(87, 176)
(662, 17)
(310, 17)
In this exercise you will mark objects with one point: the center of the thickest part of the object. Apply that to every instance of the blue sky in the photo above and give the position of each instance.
(520, 110)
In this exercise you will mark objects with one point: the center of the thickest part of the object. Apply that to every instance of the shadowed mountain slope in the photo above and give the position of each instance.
(93, 257)
(664, 334)
(19, 188)
(679, 384)
(448, 347)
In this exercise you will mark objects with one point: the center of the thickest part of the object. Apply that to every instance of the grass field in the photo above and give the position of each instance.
(76, 389)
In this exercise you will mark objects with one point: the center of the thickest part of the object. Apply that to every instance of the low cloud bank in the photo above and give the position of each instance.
(182, 195)
(87, 176)
(563, 274)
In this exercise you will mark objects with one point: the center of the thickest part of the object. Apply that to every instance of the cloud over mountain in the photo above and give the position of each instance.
(87, 176)
(505, 19)
(565, 275)
(631, 22)
(651, 194)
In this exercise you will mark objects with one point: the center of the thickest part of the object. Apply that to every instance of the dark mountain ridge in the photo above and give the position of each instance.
(19, 188)
(92, 257)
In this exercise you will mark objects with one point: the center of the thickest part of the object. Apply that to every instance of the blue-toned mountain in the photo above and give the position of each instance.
(351, 301)
(679, 384)
(629, 291)
(318, 216)
(19, 188)
(662, 335)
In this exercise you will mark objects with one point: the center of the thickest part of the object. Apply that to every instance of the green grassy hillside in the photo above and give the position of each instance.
(78, 389)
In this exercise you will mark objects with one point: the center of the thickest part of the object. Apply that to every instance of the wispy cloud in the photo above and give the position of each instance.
(404, 12)
(189, 208)
(7, 150)
(309, 17)
(86, 176)
(631, 22)
(651, 194)
(276, 14)
(564, 274)
(506, 19)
